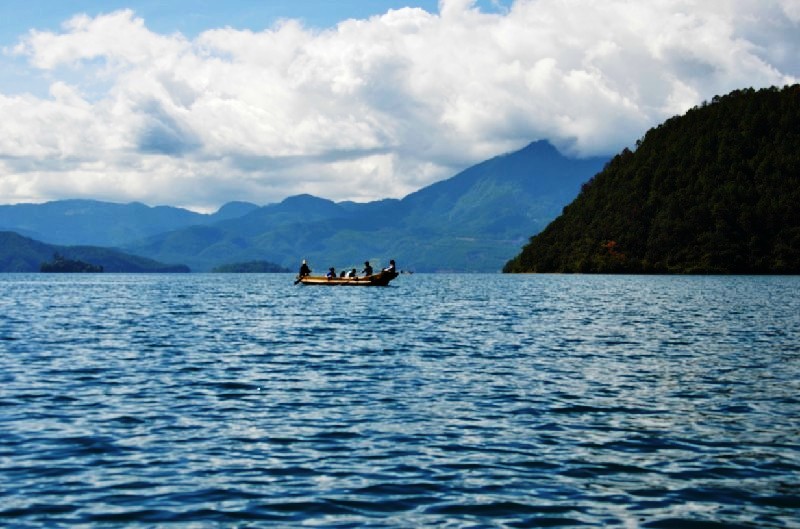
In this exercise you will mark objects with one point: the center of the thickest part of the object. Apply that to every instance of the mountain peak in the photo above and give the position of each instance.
(541, 148)
(235, 209)
(304, 199)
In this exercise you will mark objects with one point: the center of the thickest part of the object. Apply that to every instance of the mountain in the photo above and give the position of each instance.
(105, 224)
(22, 254)
(470, 222)
(232, 210)
(713, 191)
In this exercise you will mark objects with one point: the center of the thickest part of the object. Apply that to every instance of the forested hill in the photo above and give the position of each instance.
(716, 190)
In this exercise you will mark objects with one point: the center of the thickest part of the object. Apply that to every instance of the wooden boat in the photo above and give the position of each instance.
(381, 279)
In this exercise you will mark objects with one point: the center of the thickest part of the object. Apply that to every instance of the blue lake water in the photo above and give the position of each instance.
(440, 401)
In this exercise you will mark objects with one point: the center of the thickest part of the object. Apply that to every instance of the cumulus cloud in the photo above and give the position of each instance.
(372, 108)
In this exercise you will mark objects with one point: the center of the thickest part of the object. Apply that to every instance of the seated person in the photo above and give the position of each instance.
(352, 274)
(367, 271)
(391, 267)
(304, 269)
(331, 273)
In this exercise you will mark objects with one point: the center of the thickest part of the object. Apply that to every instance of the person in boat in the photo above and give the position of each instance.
(391, 268)
(331, 273)
(367, 271)
(352, 274)
(304, 269)
(342, 274)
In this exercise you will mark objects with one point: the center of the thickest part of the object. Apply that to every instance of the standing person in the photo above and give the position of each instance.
(367, 271)
(304, 270)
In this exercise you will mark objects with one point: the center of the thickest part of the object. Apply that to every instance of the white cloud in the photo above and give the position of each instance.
(371, 108)
(118, 36)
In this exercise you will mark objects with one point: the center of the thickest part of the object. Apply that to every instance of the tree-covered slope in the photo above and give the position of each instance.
(716, 190)
(250, 267)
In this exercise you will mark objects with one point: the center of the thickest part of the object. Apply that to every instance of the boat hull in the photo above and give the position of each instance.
(381, 279)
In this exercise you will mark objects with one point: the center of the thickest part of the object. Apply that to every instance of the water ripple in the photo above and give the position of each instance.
(443, 401)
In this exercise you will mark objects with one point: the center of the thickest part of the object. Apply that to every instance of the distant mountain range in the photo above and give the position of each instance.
(716, 190)
(91, 222)
(22, 254)
(471, 222)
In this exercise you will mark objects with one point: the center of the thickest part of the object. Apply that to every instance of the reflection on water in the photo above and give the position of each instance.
(442, 400)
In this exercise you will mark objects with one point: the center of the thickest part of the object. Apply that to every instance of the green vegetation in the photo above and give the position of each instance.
(716, 190)
(250, 267)
(61, 264)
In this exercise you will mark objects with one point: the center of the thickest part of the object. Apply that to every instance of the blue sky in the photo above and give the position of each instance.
(191, 17)
(196, 103)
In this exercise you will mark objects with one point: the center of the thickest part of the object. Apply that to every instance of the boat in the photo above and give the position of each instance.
(381, 279)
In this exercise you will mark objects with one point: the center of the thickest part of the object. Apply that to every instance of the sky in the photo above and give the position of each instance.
(198, 103)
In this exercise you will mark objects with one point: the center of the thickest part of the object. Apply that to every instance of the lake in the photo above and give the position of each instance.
(207, 400)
